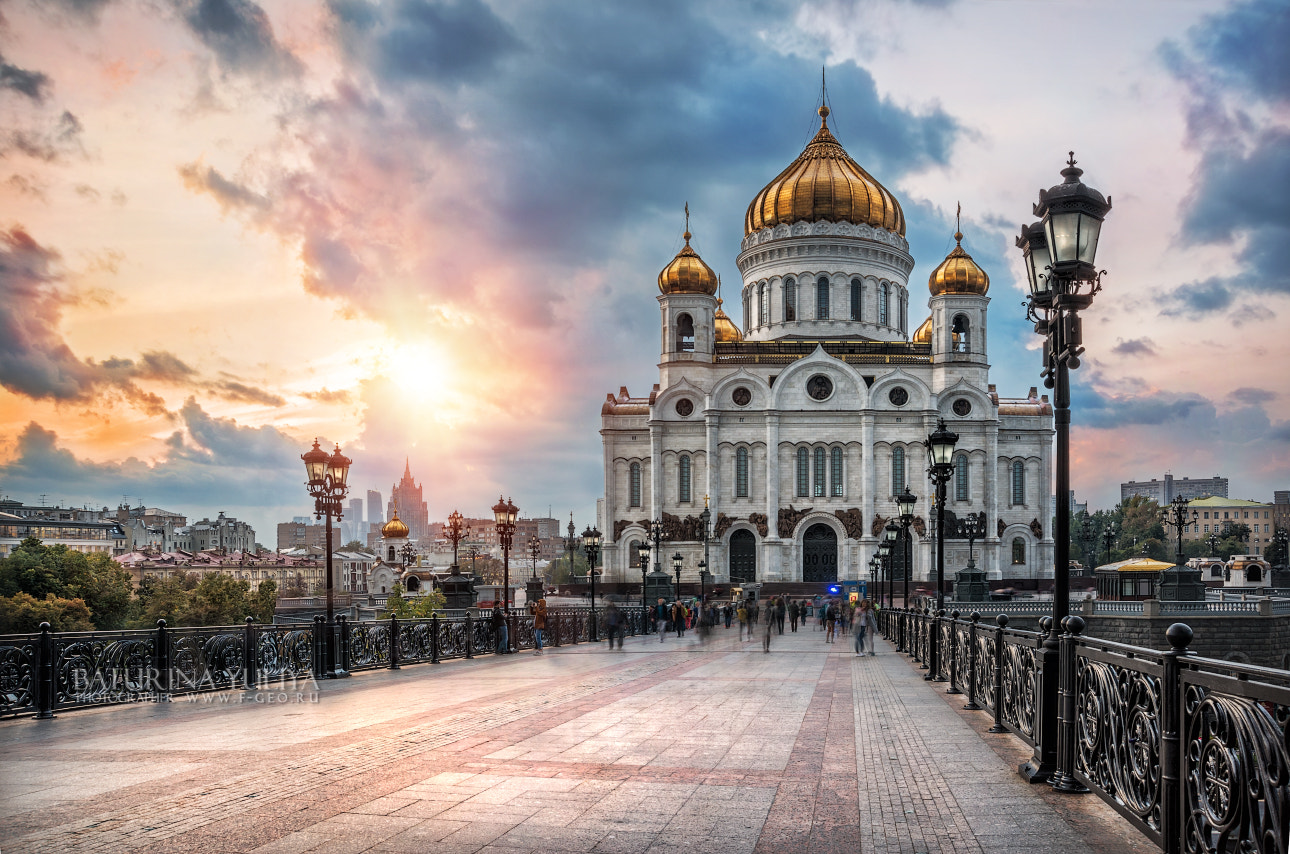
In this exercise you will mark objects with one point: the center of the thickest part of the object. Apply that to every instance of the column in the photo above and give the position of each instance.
(867, 474)
(772, 475)
(655, 470)
(990, 500)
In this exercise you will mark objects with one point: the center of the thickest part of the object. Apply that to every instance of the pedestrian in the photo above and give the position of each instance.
(539, 623)
(728, 612)
(830, 621)
(614, 625)
(793, 613)
(770, 628)
(865, 628)
(660, 619)
(781, 610)
(499, 628)
(678, 618)
(742, 614)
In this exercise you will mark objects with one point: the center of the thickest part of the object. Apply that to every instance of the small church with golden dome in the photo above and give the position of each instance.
(799, 429)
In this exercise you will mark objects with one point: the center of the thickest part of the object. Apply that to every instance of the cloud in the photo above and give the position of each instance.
(1252, 396)
(33, 84)
(50, 143)
(328, 396)
(1135, 347)
(229, 194)
(242, 393)
(1236, 71)
(240, 35)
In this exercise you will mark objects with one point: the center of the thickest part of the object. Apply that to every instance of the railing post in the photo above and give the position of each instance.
(553, 620)
(972, 704)
(45, 675)
(320, 647)
(934, 646)
(470, 636)
(161, 660)
(434, 638)
(952, 663)
(1040, 767)
(925, 629)
(900, 629)
(1001, 623)
(1063, 779)
(1179, 636)
(248, 655)
(394, 642)
(343, 629)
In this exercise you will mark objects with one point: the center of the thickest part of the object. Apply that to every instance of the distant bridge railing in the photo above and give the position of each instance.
(1195, 752)
(45, 672)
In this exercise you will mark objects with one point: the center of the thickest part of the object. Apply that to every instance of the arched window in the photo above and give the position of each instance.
(904, 312)
(822, 298)
(1018, 482)
(819, 473)
(683, 479)
(882, 303)
(634, 486)
(747, 308)
(1018, 550)
(684, 333)
(790, 299)
(741, 473)
(803, 472)
(634, 553)
(857, 297)
(897, 471)
(761, 304)
(961, 483)
(390, 558)
(959, 334)
(835, 473)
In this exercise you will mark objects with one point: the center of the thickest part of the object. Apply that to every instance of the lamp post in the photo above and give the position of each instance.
(705, 522)
(1108, 537)
(569, 543)
(906, 501)
(536, 586)
(654, 531)
(940, 457)
(408, 553)
(328, 475)
(504, 513)
(676, 567)
(884, 552)
(1177, 516)
(873, 578)
(456, 530)
(1060, 251)
(890, 532)
(591, 545)
(1212, 539)
(1281, 537)
(642, 551)
(703, 582)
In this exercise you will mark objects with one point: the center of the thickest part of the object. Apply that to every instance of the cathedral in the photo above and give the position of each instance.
(799, 430)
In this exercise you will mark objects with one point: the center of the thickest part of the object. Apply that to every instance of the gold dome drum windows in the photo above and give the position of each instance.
(882, 303)
(819, 387)
(822, 298)
(857, 299)
(790, 300)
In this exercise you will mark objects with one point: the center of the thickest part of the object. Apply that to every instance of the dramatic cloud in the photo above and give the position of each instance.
(242, 393)
(238, 32)
(1253, 396)
(1135, 347)
(32, 84)
(51, 141)
(328, 396)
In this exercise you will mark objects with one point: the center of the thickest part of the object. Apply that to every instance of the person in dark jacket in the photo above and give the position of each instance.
(614, 625)
(499, 628)
(780, 610)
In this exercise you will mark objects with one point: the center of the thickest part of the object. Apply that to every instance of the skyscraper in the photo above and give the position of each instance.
(375, 515)
(405, 496)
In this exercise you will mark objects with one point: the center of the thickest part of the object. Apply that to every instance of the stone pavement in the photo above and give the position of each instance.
(684, 746)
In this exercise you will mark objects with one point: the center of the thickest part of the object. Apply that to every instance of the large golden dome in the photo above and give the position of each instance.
(394, 529)
(958, 273)
(824, 183)
(923, 334)
(687, 274)
(727, 332)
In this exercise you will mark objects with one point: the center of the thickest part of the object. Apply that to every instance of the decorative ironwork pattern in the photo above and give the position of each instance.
(283, 653)
(962, 655)
(18, 674)
(1118, 725)
(98, 668)
(452, 639)
(416, 641)
(1236, 761)
(1020, 684)
(206, 659)
(369, 645)
(985, 669)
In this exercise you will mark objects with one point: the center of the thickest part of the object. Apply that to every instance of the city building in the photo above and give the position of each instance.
(1164, 491)
(308, 571)
(799, 430)
(407, 500)
(1281, 509)
(59, 527)
(375, 512)
(224, 533)
(1217, 515)
(303, 533)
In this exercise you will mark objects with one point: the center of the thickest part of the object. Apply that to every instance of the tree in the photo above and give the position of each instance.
(1275, 553)
(163, 599)
(42, 571)
(23, 613)
(218, 600)
(265, 601)
(413, 607)
(354, 546)
(559, 572)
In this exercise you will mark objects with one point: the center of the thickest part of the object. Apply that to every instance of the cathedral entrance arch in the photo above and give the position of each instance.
(743, 557)
(819, 554)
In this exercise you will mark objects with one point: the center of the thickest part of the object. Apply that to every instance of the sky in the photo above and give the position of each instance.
(430, 231)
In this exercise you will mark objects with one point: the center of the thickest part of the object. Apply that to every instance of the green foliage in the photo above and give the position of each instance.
(41, 571)
(213, 599)
(1275, 553)
(397, 605)
(23, 612)
(559, 571)
(354, 546)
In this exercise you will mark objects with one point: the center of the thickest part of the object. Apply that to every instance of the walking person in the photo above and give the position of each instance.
(660, 619)
(793, 613)
(830, 621)
(614, 624)
(865, 628)
(499, 629)
(678, 618)
(770, 627)
(539, 623)
(781, 609)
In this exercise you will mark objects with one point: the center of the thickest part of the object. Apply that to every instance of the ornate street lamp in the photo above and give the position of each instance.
(1108, 538)
(872, 593)
(591, 545)
(408, 553)
(570, 544)
(940, 457)
(642, 551)
(704, 575)
(654, 531)
(1060, 252)
(1212, 539)
(676, 567)
(1282, 539)
(705, 523)
(907, 501)
(456, 531)
(890, 532)
(536, 586)
(328, 475)
(884, 555)
(1177, 517)
(504, 515)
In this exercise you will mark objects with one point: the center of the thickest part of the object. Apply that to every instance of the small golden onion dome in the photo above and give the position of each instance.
(923, 334)
(394, 529)
(824, 183)
(958, 273)
(687, 274)
(727, 332)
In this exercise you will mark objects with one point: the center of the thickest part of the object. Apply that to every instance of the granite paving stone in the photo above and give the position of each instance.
(681, 746)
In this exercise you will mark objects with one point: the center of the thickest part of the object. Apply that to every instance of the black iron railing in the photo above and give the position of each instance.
(45, 672)
(1194, 752)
